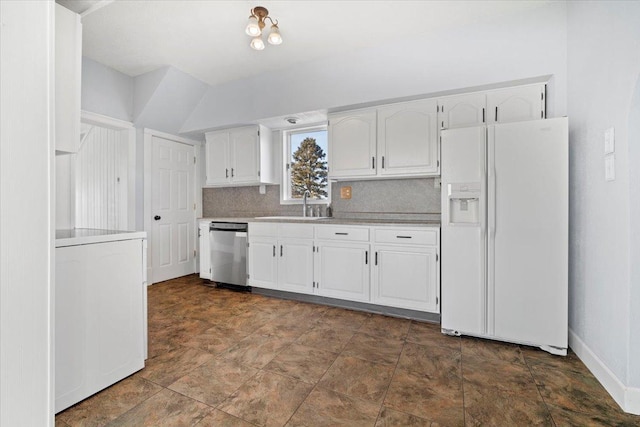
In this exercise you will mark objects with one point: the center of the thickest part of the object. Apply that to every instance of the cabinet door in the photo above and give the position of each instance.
(406, 277)
(342, 270)
(516, 104)
(352, 144)
(462, 111)
(245, 154)
(407, 138)
(68, 64)
(204, 250)
(262, 259)
(295, 265)
(217, 153)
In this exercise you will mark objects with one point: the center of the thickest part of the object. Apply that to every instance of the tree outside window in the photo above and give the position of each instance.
(309, 170)
(306, 165)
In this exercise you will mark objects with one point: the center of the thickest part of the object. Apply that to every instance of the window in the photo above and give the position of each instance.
(305, 166)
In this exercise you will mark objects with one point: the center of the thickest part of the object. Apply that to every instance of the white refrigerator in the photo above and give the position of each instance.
(504, 254)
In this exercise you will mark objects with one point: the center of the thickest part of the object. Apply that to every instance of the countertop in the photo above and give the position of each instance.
(85, 236)
(333, 221)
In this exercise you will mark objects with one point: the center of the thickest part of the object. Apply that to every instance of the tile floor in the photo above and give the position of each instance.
(223, 358)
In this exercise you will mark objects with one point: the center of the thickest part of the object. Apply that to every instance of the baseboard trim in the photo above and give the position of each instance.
(628, 398)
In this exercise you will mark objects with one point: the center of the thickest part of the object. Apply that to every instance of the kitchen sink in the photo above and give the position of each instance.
(294, 218)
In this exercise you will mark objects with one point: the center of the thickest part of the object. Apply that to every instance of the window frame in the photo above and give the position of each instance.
(285, 181)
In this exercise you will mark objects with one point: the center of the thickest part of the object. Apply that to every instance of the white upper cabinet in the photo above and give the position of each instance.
(352, 144)
(218, 159)
(245, 155)
(239, 156)
(516, 104)
(391, 141)
(462, 110)
(407, 138)
(68, 65)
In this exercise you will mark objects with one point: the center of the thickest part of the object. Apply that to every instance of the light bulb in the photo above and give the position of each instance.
(253, 29)
(274, 35)
(257, 43)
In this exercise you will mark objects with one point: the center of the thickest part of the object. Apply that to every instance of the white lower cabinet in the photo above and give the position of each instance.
(342, 270)
(389, 266)
(405, 277)
(406, 268)
(100, 314)
(204, 246)
(295, 265)
(280, 257)
(263, 262)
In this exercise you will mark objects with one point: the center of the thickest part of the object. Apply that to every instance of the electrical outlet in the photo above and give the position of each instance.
(345, 192)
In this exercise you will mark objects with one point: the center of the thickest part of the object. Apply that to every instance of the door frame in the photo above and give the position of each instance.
(148, 135)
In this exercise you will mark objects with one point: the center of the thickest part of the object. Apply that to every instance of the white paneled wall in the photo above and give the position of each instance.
(102, 178)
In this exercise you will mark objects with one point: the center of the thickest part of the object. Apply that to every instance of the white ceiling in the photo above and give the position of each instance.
(205, 38)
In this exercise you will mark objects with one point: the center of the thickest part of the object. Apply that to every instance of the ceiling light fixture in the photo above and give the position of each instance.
(254, 28)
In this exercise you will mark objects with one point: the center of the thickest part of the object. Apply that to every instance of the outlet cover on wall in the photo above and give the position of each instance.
(345, 192)
(609, 141)
(609, 167)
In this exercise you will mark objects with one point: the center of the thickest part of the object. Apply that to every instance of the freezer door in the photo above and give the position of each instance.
(463, 237)
(528, 231)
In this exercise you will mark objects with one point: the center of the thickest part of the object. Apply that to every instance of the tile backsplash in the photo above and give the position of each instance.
(415, 198)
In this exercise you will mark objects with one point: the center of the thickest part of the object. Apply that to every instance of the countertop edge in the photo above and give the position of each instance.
(99, 238)
(333, 221)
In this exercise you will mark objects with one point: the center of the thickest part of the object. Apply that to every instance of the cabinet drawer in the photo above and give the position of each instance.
(347, 233)
(269, 229)
(296, 231)
(406, 236)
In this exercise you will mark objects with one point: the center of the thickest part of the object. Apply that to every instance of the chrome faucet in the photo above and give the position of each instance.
(304, 203)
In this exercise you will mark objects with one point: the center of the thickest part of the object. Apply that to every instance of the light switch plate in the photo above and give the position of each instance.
(609, 141)
(609, 167)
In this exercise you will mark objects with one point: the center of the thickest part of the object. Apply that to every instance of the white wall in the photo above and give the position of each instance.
(634, 235)
(603, 45)
(106, 91)
(26, 217)
(164, 99)
(523, 46)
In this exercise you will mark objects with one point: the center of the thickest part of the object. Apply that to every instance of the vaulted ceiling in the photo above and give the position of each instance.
(206, 38)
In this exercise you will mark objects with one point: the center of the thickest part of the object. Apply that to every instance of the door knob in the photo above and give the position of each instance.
(157, 217)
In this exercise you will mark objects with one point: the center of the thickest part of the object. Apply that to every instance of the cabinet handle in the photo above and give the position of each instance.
(226, 173)
(280, 250)
(382, 162)
(483, 115)
(496, 114)
(231, 172)
(342, 234)
(274, 250)
(366, 257)
(403, 237)
(373, 162)
(376, 261)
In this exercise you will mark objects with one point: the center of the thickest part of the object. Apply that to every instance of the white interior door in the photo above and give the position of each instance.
(172, 209)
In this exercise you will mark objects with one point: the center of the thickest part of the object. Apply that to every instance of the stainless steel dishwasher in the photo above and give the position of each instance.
(229, 253)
